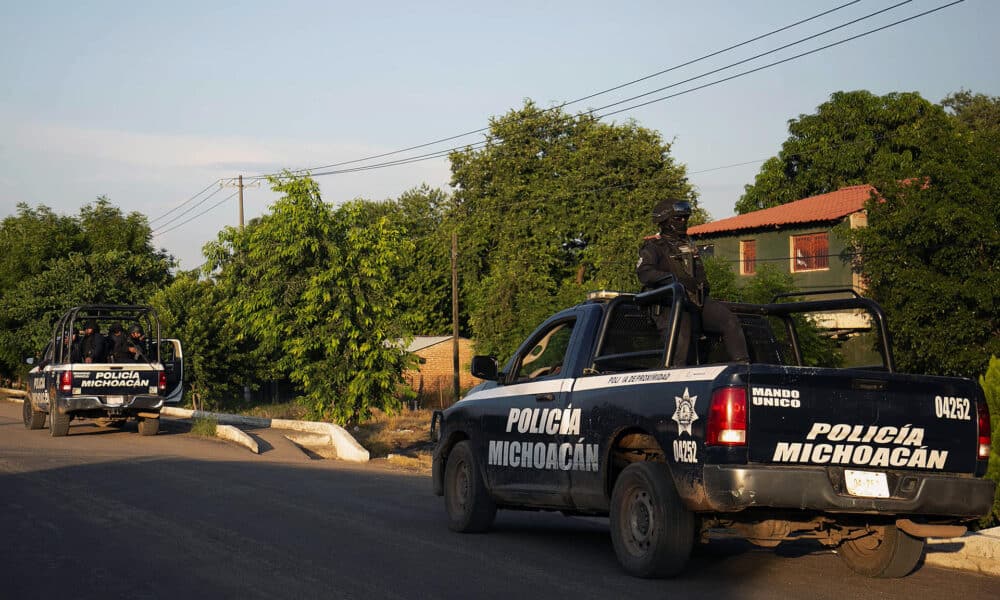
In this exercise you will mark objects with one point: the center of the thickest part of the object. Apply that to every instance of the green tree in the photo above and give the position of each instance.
(31, 238)
(974, 111)
(817, 349)
(551, 206)
(854, 138)
(314, 288)
(84, 264)
(423, 277)
(931, 252)
(216, 363)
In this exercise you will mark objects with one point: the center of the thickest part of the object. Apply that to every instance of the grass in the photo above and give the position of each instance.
(284, 410)
(405, 436)
(204, 427)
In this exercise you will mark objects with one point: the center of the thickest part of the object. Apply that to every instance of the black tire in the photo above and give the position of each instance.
(885, 553)
(32, 418)
(148, 426)
(470, 507)
(651, 530)
(58, 422)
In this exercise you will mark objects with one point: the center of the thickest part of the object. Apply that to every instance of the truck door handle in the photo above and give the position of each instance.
(545, 397)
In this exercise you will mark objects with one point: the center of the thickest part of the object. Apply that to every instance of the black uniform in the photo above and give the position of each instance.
(75, 353)
(93, 346)
(137, 346)
(672, 255)
(116, 345)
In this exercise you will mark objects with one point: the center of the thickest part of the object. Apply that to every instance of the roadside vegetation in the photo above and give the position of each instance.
(204, 427)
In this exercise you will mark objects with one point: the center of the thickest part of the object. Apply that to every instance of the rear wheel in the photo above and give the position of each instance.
(33, 419)
(58, 422)
(886, 552)
(148, 426)
(469, 505)
(651, 530)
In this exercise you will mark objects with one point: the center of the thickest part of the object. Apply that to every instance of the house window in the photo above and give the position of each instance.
(810, 252)
(748, 257)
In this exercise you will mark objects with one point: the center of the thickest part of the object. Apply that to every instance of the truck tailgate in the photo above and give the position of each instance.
(867, 419)
(106, 380)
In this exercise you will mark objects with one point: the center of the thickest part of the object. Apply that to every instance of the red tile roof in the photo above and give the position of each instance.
(825, 207)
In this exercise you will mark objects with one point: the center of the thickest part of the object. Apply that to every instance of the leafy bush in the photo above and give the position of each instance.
(991, 386)
(204, 426)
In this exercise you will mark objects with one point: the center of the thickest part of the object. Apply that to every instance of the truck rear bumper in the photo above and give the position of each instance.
(90, 403)
(731, 489)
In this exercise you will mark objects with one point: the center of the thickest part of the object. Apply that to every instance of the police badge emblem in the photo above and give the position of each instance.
(684, 413)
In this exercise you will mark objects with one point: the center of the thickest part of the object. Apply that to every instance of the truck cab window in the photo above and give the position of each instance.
(547, 353)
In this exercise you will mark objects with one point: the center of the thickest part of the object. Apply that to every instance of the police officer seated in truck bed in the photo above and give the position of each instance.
(92, 346)
(116, 344)
(671, 255)
(137, 346)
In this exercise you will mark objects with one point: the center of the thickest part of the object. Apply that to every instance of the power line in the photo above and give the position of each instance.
(210, 208)
(442, 153)
(587, 97)
(776, 63)
(183, 213)
(752, 58)
(207, 187)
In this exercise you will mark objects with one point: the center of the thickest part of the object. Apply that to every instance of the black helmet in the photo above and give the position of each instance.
(135, 328)
(91, 324)
(116, 329)
(666, 209)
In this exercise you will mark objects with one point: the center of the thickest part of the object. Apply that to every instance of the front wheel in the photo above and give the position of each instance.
(886, 552)
(651, 529)
(33, 419)
(469, 505)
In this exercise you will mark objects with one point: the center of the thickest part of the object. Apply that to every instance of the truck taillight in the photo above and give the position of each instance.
(727, 417)
(985, 439)
(66, 382)
(163, 380)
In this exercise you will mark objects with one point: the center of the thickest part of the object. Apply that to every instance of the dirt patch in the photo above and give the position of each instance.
(403, 439)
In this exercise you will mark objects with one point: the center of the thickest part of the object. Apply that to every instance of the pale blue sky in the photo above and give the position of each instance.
(148, 103)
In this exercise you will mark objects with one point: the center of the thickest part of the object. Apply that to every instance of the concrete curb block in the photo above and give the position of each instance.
(318, 443)
(978, 552)
(346, 447)
(238, 436)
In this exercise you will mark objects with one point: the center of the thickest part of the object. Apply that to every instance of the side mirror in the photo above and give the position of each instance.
(485, 367)
(30, 360)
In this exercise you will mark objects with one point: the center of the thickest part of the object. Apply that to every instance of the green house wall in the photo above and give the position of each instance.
(774, 248)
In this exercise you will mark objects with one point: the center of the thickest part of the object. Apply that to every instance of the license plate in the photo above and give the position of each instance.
(866, 484)
(114, 400)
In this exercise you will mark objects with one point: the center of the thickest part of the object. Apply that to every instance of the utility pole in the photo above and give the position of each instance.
(238, 183)
(454, 315)
(241, 202)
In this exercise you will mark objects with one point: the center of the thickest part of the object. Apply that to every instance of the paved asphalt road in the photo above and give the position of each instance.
(109, 514)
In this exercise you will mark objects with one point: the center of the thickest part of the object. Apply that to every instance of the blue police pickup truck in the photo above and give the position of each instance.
(112, 378)
(589, 418)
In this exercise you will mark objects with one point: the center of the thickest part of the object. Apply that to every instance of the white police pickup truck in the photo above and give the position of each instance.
(113, 387)
(587, 418)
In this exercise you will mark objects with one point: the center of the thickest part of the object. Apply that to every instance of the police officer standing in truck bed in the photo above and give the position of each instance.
(671, 255)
